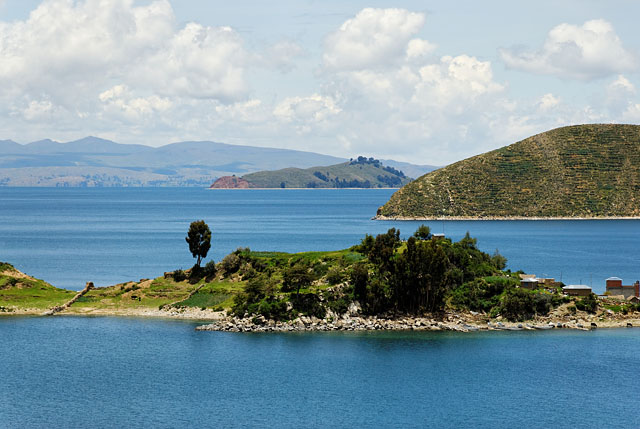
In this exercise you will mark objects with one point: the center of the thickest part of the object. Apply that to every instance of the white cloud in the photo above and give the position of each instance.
(121, 104)
(548, 102)
(585, 52)
(622, 85)
(198, 62)
(307, 114)
(73, 51)
(373, 38)
(417, 49)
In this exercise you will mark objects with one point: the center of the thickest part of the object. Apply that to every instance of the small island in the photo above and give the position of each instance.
(426, 282)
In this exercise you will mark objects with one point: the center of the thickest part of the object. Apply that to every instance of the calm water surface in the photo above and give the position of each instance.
(115, 372)
(112, 235)
(118, 372)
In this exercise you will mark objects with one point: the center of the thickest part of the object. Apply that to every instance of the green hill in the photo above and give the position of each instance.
(357, 173)
(576, 171)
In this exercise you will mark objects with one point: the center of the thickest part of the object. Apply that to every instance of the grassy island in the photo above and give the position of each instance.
(425, 281)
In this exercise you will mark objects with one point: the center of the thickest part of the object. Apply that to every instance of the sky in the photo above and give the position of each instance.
(428, 82)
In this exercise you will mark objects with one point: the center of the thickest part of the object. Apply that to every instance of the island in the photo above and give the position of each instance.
(360, 172)
(582, 171)
(427, 282)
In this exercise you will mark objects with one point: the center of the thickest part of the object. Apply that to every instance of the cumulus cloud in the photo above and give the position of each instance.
(307, 114)
(548, 102)
(66, 48)
(397, 98)
(585, 52)
(120, 103)
(96, 64)
(373, 38)
(418, 49)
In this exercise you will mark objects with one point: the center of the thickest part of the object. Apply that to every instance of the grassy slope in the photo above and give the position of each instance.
(22, 291)
(577, 171)
(301, 178)
(18, 292)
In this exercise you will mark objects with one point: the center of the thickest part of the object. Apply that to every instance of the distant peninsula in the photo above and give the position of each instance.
(360, 172)
(582, 171)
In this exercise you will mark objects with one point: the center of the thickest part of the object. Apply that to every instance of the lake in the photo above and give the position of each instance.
(69, 236)
(118, 372)
(126, 372)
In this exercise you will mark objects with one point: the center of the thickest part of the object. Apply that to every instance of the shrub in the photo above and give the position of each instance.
(335, 276)
(518, 304)
(247, 272)
(309, 304)
(230, 263)
(588, 303)
(210, 269)
(179, 275)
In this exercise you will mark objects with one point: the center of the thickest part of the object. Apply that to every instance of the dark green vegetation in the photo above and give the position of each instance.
(386, 276)
(199, 240)
(576, 171)
(357, 173)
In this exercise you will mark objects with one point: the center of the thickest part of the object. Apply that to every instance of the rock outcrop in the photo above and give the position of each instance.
(231, 182)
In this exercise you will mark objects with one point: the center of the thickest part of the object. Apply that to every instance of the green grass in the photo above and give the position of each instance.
(30, 293)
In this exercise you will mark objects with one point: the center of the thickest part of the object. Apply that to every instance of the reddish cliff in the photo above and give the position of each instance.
(231, 182)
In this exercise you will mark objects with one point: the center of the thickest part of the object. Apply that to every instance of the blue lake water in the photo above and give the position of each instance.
(118, 372)
(111, 235)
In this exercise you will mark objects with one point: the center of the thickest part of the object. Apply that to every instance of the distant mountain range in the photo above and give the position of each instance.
(93, 161)
(586, 171)
(358, 173)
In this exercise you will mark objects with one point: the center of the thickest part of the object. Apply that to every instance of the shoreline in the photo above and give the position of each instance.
(291, 189)
(454, 322)
(494, 218)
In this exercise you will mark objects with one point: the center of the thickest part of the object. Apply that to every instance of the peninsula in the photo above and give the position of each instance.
(361, 172)
(423, 283)
(582, 171)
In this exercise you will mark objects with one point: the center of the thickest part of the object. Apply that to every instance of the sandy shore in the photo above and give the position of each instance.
(190, 313)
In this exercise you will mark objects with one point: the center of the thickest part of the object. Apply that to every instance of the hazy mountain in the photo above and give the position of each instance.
(93, 161)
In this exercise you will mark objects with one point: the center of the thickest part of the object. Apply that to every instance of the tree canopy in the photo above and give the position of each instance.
(199, 239)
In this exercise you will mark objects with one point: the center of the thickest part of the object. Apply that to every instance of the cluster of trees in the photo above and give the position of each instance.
(390, 181)
(416, 276)
(420, 275)
(376, 163)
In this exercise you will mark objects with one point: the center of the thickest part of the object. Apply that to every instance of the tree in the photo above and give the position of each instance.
(423, 233)
(296, 277)
(199, 239)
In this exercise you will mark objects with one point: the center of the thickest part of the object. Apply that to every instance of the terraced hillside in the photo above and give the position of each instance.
(576, 171)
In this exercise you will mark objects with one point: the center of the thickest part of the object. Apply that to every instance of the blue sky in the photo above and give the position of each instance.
(426, 82)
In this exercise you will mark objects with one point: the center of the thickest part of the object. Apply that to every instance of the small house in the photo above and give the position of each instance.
(576, 290)
(615, 287)
(529, 283)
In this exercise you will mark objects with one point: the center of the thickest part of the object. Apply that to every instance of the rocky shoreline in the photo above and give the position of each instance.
(452, 322)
